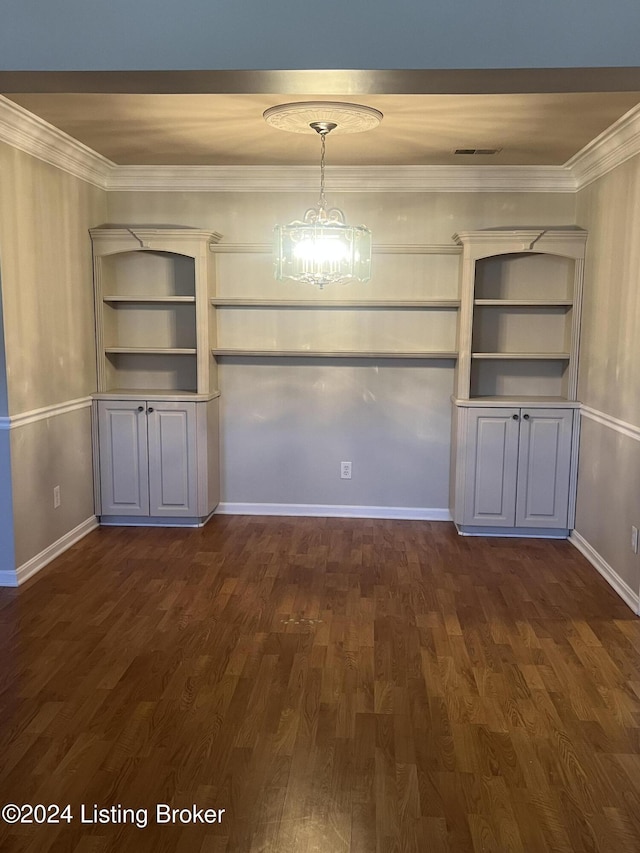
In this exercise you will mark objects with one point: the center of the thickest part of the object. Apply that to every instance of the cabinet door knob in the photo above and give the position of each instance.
(141, 408)
(149, 410)
(526, 417)
(516, 417)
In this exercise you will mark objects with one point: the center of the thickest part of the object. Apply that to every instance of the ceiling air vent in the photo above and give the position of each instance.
(477, 150)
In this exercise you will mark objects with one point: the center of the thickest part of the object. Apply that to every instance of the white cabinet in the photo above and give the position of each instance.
(516, 471)
(491, 463)
(124, 458)
(156, 460)
(544, 468)
(171, 435)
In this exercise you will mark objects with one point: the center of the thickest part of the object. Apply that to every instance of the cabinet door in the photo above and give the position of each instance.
(491, 467)
(544, 465)
(122, 430)
(173, 485)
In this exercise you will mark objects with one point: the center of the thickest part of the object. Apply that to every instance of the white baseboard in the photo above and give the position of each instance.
(28, 570)
(608, 573)
(335, 511)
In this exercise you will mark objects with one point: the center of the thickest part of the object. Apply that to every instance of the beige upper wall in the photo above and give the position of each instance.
(430, 217)
(45, 257)
(610, 351)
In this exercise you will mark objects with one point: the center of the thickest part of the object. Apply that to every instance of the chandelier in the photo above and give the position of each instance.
(322, 248)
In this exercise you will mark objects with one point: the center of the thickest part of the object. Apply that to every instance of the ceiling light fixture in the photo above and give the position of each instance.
(321, 248)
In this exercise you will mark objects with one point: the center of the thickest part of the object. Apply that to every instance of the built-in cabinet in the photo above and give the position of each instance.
(517, 467)
(514, 444)
(164, 318)
(156, 410)
(148, 460)
(157, 459)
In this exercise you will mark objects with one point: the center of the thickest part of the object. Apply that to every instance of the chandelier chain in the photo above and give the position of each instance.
(323, 199)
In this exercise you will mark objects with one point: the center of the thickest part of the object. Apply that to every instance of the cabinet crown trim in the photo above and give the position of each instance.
(567, 241)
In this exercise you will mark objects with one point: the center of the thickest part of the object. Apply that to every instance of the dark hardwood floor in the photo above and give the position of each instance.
(336, 686)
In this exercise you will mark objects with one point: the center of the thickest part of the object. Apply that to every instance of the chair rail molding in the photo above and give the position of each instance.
(43, 414)
(623, 427)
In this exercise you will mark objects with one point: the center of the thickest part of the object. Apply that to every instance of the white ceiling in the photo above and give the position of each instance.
(417, 129)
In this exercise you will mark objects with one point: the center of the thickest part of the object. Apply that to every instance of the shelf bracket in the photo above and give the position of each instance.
(143, 244)
(533, 242)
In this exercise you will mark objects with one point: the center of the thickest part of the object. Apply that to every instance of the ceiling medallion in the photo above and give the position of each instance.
(321, 248)
(298, 118)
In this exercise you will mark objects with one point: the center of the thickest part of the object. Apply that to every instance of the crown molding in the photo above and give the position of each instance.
(341, 179)
(614, 146)
(29, 133)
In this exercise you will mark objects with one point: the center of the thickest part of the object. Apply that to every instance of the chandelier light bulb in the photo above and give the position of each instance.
(327, 250)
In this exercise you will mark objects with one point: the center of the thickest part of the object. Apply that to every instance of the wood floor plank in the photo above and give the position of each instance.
(333, 685)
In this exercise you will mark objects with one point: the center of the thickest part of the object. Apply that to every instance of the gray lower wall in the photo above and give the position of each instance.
(286, 428)
(7, 550)
(44, 454)
(608, 501)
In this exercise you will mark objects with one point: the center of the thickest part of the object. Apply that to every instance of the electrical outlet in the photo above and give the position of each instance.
(56, 497)
(345, 470)
(634, 539)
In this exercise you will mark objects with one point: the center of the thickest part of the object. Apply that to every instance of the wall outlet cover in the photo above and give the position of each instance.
(345, 470)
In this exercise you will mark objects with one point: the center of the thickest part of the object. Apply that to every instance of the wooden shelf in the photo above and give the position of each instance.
(423, 304)
(526, 303)
(531, 356)
(150, 350)
(150, 299)
(508, 400)
(421, 355)
(154, 394)
(378, 249)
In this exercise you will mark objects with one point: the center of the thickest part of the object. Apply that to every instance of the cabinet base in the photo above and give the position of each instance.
(514, 532)
(153, 521)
